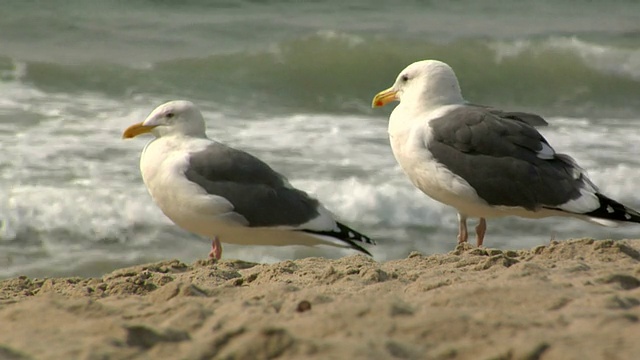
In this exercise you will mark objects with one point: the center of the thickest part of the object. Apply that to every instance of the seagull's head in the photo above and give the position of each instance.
(427, 83)
(179, 117)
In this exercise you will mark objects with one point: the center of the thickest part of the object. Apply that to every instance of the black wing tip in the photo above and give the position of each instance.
(349, 236)
(354, 235)
(359, 248)
(612, 210)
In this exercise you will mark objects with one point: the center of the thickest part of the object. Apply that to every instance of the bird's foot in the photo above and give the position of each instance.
(463, 234)
(481, 229)
(216, 249)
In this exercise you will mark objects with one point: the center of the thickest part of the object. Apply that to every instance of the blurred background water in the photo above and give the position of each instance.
(290, 82)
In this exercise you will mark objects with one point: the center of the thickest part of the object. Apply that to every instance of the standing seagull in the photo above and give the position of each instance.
(226, 194)
(483, 161)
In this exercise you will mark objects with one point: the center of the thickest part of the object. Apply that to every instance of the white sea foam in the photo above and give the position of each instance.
(73, 192)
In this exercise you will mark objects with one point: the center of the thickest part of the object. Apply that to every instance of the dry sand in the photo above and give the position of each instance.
(578, 299)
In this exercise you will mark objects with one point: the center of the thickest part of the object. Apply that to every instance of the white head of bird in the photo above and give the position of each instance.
(179, 117)
(426, 84)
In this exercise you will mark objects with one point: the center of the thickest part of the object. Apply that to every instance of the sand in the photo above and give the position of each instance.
(577, 299)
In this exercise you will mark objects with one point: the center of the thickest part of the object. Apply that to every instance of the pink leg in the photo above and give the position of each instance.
(216, 249)
(480, 230)
(463, 235)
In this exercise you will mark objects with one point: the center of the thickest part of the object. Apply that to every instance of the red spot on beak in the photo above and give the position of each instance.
(378, 103)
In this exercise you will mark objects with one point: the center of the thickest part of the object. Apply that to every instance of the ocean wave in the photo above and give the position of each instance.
(622, 61)
(331, 72)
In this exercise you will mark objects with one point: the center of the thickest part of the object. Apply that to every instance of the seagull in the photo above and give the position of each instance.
(226, 194)
(485, 162)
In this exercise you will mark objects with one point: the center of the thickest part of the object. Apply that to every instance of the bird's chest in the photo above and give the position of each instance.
(163, 165)
(160, 173)
(410, 149)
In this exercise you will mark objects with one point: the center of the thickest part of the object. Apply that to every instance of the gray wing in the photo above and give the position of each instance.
(258, 193)
(531, 119)
(504, 159)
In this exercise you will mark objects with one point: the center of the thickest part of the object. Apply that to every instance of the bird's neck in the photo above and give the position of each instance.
(405, 117)
(183, 135)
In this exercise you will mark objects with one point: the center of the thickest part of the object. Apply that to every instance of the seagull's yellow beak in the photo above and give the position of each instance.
(135, 130)
(384, 97)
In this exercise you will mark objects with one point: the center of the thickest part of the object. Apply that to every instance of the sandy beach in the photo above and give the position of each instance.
(576, 299)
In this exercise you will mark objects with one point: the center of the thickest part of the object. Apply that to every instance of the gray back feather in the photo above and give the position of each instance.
(496, 153)
(531, 119)
(257, 192)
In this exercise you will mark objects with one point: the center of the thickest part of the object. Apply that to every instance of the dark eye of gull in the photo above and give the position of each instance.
(404, 78)
(170, 115)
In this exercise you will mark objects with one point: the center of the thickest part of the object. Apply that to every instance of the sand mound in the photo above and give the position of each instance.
(578, 299)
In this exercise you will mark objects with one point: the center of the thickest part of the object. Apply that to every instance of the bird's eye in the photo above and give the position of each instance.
(404, 78)
(170, 115)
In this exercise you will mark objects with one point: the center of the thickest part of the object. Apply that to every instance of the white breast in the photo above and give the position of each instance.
(163, 164)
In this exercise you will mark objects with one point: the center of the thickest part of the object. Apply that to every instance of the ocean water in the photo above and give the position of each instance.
(292, 84)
